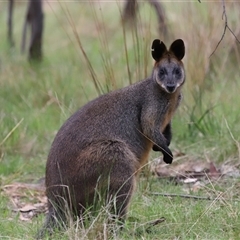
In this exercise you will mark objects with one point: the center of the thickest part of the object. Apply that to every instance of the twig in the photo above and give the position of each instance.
(10, 133)
(90, 67)
(148, 225)
(224, 16)
(204, 212)
(157, 221)
(154, 223)
(180, 195)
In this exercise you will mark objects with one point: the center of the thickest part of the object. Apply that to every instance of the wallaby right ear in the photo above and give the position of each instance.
(158, 49)
(178, 49)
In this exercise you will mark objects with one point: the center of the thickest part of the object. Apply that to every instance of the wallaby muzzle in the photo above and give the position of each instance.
(170, 88)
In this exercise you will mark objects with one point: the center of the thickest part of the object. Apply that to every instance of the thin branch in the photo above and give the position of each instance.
(224, 17)
(233, 34)
(180, 195)
(190, 196)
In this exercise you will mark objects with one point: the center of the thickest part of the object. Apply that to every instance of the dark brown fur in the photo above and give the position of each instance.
(100, 149)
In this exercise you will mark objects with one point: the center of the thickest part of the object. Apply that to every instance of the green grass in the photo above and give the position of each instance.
(184, 218)
(36, 100)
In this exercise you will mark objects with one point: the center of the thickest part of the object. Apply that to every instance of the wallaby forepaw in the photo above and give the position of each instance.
(168, 158)
(156, 148)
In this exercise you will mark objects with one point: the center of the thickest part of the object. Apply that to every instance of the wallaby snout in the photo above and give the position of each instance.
(170, 88)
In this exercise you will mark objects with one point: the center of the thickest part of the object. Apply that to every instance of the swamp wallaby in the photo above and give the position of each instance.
(100, 149)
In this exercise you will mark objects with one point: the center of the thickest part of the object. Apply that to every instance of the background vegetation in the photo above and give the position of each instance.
(35, 100)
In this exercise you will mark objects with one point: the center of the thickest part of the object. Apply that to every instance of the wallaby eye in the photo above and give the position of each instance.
(177, 72)
(162, 72)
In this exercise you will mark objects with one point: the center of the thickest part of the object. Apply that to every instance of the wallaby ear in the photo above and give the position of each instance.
(178, 49)
(158, 49)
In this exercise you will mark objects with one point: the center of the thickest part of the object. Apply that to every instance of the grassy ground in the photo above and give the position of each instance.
(36, 100)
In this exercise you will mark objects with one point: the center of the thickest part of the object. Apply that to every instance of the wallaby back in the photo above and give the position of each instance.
(101, 147)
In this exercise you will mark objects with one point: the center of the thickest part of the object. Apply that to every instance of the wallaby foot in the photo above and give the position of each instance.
(48, 227)
(53, 220)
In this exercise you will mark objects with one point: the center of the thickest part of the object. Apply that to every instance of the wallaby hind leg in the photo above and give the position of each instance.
(113, 175)
(121, 190)
(104, 175)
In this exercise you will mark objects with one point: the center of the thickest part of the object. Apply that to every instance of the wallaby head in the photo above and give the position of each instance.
(168, 70)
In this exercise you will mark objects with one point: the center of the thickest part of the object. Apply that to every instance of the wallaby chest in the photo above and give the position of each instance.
(170, 108)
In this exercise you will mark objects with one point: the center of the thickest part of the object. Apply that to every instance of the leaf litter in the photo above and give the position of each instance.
(195, 175)
(26, 199)
(193, 170)
(29, 199)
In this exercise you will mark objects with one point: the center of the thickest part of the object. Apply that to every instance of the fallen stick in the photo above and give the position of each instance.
(180, 195)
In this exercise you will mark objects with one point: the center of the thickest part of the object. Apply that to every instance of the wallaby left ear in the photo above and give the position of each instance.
(158, 49)
(178, 49)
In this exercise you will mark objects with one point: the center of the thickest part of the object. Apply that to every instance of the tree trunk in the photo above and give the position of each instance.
(130, 12)
(161, 18)
(9, 22)
(34, 18)
(130, 9)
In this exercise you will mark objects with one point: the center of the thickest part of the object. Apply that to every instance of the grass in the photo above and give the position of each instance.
(36, 100)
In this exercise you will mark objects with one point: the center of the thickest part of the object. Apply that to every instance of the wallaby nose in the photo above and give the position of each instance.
(170, 88)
